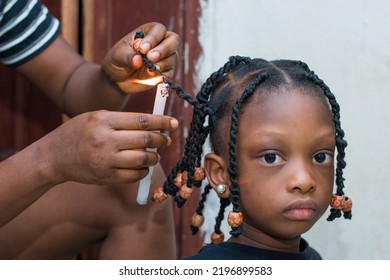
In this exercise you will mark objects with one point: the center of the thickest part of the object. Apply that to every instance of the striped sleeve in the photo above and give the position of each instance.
(26, 29)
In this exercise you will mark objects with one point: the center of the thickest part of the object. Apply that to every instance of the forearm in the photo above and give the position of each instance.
(24, 180)
(89, 89)
(74, 85)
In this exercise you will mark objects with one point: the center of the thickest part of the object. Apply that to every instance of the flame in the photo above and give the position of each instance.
(149, 82)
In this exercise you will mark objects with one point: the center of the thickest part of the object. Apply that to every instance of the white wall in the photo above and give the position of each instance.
(347, 43)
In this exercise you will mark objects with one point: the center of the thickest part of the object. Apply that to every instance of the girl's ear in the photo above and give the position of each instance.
(216, 172)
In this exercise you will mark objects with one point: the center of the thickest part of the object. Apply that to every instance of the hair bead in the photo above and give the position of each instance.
(185, 192)
(159, 195)
(337, 202)
(235, 219)
(217, 238)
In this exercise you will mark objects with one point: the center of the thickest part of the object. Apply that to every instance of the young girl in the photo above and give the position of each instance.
(273, 129)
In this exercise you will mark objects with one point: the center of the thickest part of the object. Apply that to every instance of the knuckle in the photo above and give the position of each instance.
(143, 121)
(102, 174)
(97, 117)
(96, 142)
(176, 37)
(146, 139)
(162, 122)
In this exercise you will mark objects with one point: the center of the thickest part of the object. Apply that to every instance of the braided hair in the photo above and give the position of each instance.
(223, 96)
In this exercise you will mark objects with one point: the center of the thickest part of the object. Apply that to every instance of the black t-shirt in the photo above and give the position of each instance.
(236, 251)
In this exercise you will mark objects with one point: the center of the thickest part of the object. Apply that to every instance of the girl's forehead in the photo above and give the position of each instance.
(286, 96)
(288, 107)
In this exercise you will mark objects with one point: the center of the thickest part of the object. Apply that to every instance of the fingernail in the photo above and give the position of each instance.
(174, 123)
(169, 141)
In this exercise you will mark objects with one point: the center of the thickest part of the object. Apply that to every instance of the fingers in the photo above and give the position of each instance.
(138, 139)
(166, 66)
(139, 121)
(123, 63)
(168, 46)
(154, 34)
(159, 44)
(124, 176)
(104, 147)
(135, 159)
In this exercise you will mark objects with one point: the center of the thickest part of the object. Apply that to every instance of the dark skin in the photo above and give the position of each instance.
(97, 147)
(77, 86)
(77, 186)
(73, 217)
(285, 164)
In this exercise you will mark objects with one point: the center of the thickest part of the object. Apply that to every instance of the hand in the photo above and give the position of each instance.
(122, 63)
(104, 147)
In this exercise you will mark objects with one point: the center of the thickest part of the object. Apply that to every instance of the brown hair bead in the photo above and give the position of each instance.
(199, 174)
(184, 178)
(347, 205)
(235, 219)
(185, 192)
(178, 180)
(337, 202)
(197, 220)
(159, 195)
(217, 238)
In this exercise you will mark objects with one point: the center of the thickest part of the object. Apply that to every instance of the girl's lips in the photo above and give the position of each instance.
(301, 210)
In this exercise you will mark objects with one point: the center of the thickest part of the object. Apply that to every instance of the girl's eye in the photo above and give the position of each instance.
(272, 158)
(322, 158)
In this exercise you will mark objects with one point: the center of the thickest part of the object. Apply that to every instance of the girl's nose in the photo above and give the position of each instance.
(301, 177)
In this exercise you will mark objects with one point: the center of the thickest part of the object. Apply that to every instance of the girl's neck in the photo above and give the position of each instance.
(256, 238)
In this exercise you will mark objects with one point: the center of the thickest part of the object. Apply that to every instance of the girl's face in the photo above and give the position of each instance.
(285, 153)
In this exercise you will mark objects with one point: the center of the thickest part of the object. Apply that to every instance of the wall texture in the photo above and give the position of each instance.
(347, 43)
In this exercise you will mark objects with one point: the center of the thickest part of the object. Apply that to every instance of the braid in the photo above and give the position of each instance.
(218, 220)
(341, 144)
(234, 189)
(199, 210)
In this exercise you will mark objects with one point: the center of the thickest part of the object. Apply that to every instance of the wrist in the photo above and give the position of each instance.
(111, 84)
(46, 169)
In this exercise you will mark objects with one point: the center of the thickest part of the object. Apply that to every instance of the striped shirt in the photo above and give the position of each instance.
(26, 29)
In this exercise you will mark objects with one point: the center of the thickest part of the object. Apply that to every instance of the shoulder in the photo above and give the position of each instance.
(26, 28)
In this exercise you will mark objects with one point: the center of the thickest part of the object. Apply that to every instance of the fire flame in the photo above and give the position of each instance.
(149, 82)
